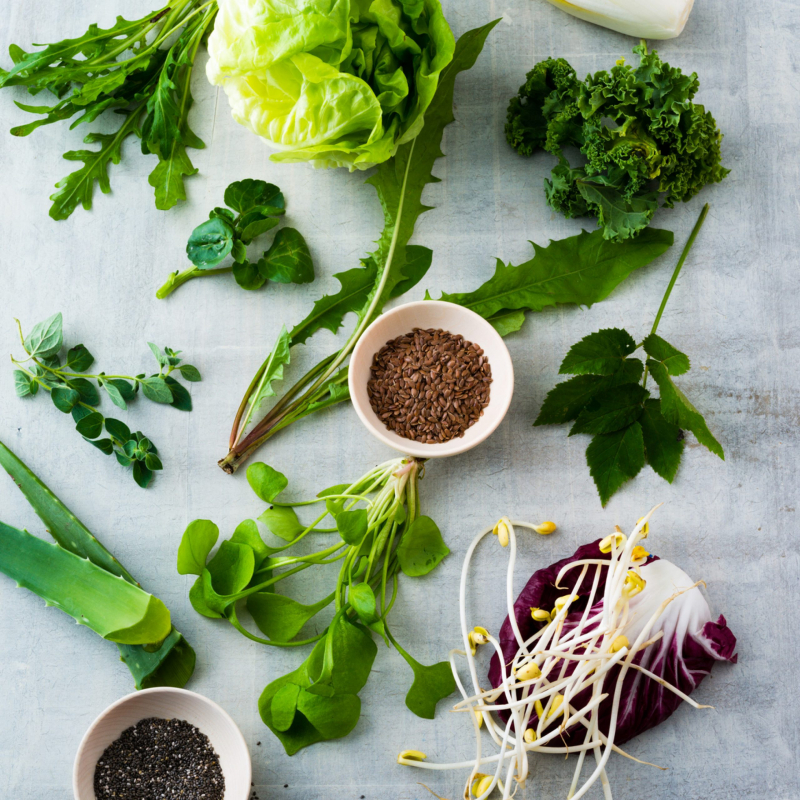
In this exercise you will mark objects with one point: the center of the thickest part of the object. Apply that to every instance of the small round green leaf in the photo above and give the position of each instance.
(64, 398)
(91, 426)
(422, 548)
(265, 481)
(210, 243)
(119, 430)
(157, 390)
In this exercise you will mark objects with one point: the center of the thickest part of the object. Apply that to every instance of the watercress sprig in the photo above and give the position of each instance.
(253, 208)
(608, 398)
(70, 387)
(378, 532)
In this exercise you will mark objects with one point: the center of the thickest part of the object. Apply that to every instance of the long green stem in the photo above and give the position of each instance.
(677, 271)
(177, 279)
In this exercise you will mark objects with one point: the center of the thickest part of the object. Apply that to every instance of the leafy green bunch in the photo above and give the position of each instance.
(253, 208)
(140, 69)
(640, 132)
(608, 399)
(377, 533)
(390, 270)
(72, 392)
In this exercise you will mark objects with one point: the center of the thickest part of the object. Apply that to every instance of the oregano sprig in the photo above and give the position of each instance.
(608, 399)
(71, 389)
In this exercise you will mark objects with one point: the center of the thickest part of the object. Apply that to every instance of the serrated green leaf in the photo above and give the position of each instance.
(621, 219)
(677, 409)
(675, 362)
(582, 270)
(167, 177)
(288, 259)
(600, 353)
(506, 322)
(663, 441)
(611, 410)
(46, 337)
(567, 399)
(271, 371)
(615, 458)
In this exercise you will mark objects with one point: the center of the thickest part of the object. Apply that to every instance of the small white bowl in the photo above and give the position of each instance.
(167, 703)
(457, 320)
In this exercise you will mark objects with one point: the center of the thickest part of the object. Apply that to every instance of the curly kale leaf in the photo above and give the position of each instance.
(638, 129)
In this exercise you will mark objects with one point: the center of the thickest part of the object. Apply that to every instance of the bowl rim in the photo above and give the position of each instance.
(417, 449)
(157, 690)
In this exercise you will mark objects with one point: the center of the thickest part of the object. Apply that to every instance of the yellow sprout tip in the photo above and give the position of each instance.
(500, 530)
(639, 553)
(615, 539)
(545, 528)
(481, 784)
(529, 736)
(528, 672)
(540, 615)
(411, 755)
(619, 643)
(645, 528)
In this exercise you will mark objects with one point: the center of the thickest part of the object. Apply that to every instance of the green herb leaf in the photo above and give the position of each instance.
(282, 522)
(280, 618)
(210, 243)
(114, 394)
(79, 359)
(582, 270)
(271, 370)
(258, 221)
(119, 430)
(241, 196)
(248, 276)
(567, 399)
(615, 458)
(46, 337)
(288, 259)
(103, 445)
(156, 389)
(141, 474)
(620, 217)
(663, 441)
(284, 705)
(181, 399)
(675, 362)
(197, 542)
(431, 684)
(611, 410)
(600, 353)
(265, 481)
(91, 426)
(64, 398)
(190, 373)
(87, 391)
(231, 568)
(422, 548)
(677, 409)
(352, 525)
(22, 384)
(362, 599)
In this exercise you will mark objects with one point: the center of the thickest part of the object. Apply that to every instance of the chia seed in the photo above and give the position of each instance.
(159, 759)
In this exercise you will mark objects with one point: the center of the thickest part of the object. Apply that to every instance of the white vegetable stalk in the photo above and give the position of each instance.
(634, 598)
(645, 19)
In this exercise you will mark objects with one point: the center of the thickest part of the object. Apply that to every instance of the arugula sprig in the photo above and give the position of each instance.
(71, 389)
(378, 533)
(253, 208)
(608, 399)
(140, 69)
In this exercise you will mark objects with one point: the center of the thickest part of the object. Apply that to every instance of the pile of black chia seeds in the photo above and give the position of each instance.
(159, 759)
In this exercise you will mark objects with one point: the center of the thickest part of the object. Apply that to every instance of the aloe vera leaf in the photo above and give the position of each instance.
(170, 665)
(113, 608)
(60, 522)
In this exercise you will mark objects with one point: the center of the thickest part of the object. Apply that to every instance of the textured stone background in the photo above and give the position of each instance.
(733, 311)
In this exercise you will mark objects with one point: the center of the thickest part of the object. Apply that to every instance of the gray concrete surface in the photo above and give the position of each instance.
(734, 312)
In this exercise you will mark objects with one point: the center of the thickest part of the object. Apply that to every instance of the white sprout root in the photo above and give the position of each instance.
(594, 646)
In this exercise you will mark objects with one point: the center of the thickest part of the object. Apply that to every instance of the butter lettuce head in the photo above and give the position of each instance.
(335, 82)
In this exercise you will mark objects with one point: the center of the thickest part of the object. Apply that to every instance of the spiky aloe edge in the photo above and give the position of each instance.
(169, 662)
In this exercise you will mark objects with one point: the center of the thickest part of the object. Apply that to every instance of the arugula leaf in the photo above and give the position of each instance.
(677, 409)
(600, 353)
(615, 458)
(582, 270)
(663, 441)
(271, 370)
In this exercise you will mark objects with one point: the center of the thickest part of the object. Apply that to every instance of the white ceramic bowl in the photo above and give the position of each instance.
(455, 319)
(168, 703)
